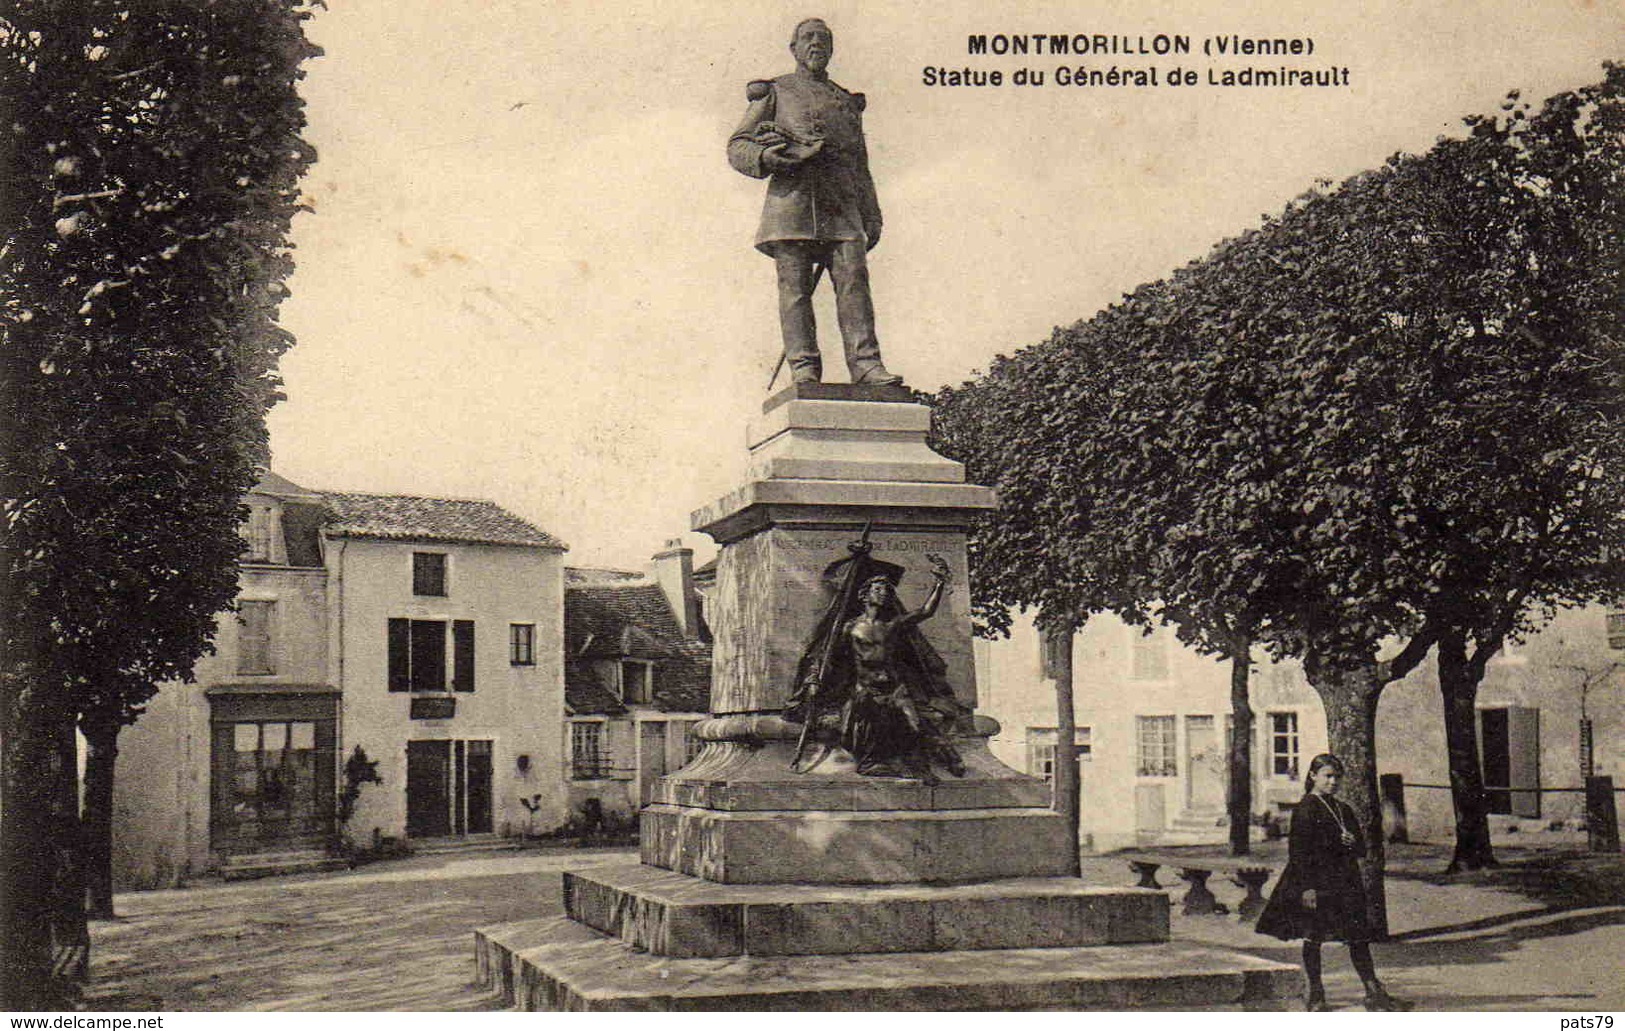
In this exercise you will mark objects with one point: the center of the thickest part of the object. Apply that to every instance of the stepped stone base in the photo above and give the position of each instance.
(671, 914)
(778, 847)
(738, 815)
(558, 964)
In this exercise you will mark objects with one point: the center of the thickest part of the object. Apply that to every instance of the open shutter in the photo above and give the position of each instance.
(462, 651)
(1523, 754)
(400, 650)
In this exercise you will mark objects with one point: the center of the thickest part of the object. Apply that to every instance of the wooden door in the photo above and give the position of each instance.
(1204, 765)
(428, 789)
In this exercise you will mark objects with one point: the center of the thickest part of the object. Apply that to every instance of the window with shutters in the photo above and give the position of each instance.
(255, 624)
(429, 573)
(418, 659)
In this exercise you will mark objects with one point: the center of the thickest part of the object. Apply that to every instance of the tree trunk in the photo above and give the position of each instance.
(30, 758)
(102, 737)
(1458, 685)
(70, 932)
(1240, 796)
(1060, 641)
(1349, 695)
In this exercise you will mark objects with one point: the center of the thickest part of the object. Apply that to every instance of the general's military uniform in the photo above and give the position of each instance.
(820, 212)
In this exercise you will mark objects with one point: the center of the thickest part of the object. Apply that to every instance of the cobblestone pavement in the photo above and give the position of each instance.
(1543, 932)
(394, 936)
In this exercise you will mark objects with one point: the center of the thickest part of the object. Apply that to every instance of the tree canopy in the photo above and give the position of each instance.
(1389, 413)
(151, 161)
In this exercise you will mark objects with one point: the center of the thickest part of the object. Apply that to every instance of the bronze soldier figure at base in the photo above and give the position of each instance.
(804, 134)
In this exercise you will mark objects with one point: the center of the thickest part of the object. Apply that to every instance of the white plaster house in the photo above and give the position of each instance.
(1153, 724)
(426, 631)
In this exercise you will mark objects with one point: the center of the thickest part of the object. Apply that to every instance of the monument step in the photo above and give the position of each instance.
(558, 964)
(672, 914)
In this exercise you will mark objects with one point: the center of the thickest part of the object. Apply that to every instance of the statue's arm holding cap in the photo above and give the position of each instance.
(744, 149)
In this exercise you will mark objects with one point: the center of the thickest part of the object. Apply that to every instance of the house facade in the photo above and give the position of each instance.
(637, 678)
(425, 631)
(1548, 710)
(1153, 729)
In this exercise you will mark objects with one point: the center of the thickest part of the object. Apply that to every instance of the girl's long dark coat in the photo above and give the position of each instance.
(1318, 859)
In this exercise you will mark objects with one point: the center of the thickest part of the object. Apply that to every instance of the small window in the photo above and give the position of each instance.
(254, 652)
(1156, 746)
(588, 759)
(637, 681)
(429, 573)
(522, 644)
(1284, 744)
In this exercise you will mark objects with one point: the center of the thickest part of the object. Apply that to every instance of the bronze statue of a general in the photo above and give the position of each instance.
(804, 134)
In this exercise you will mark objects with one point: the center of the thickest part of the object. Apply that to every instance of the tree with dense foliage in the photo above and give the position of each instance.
(1028, 554)
(151, 155)
(1519, 276)
(1384, 419)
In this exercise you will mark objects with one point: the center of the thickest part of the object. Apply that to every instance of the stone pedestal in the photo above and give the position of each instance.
(822, 470)
(891, 892)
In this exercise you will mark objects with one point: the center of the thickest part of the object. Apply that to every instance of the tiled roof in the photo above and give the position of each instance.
(280, 486)
(587, 576)
(403, 517)
(631, 620)
(585, 694)
(685, 686)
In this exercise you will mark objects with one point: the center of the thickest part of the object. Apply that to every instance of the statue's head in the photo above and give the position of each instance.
(877, 590)
(812, 44)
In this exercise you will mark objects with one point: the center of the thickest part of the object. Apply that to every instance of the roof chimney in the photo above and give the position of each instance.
(674, 572)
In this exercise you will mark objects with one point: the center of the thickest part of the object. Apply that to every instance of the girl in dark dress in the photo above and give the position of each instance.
(1319, 896)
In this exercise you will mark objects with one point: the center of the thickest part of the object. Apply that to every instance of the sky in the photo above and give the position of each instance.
(528, 274)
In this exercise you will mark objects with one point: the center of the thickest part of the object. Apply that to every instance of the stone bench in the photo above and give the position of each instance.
(1250, 874)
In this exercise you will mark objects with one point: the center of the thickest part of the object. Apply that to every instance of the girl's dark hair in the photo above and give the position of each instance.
(1320, 761)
